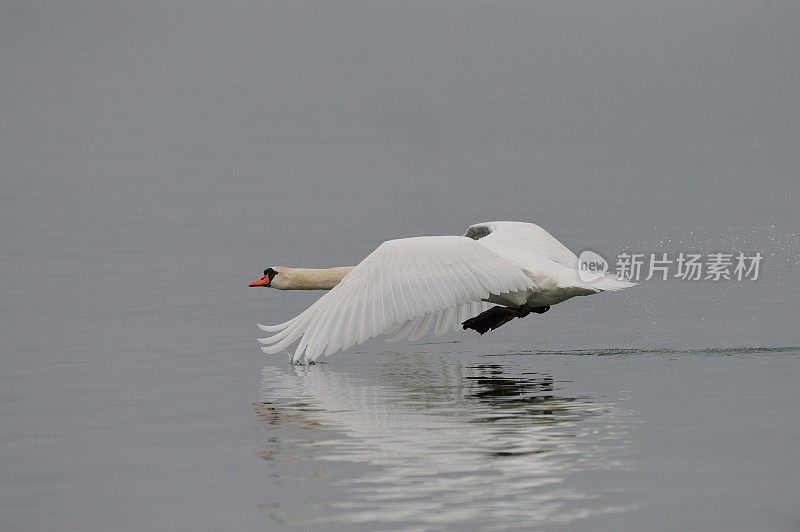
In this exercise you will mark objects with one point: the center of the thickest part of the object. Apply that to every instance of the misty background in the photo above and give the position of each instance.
(156, 157)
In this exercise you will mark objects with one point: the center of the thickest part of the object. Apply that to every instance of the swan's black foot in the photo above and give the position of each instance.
(497, 316)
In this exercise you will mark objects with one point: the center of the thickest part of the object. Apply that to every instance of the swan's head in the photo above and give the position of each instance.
(269, 276)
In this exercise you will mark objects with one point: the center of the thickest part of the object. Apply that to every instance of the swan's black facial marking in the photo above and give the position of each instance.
(269, 275)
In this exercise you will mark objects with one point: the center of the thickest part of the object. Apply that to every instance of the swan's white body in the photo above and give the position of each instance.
(405, 286)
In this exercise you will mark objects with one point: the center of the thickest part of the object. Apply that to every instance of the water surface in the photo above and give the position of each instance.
(537, 440)
(156, 158)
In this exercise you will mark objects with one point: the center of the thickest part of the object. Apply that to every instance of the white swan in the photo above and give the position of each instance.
(407, 285)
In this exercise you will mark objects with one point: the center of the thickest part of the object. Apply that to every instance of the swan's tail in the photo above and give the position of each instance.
(609, 283)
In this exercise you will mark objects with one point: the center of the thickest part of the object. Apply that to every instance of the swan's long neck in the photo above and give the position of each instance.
(310, 278)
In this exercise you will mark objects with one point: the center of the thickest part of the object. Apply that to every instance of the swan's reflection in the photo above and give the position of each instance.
(426, 440)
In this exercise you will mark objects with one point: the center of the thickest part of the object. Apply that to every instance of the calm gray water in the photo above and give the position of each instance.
(154, 160)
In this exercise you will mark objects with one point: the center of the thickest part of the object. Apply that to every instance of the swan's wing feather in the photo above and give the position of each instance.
(523, 236)
(445, 321)
(546, 260)
(448, 319)
(401, 281)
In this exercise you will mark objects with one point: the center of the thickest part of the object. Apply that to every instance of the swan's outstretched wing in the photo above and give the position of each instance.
(544, 258)
(399, 282)
(525, 237)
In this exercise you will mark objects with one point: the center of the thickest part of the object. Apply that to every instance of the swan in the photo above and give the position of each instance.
(495, 272)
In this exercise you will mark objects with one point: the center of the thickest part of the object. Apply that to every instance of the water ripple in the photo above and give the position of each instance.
(433, 442)
(725, 351)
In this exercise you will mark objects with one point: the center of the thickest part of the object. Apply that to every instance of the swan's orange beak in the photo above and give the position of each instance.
(264, 281)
